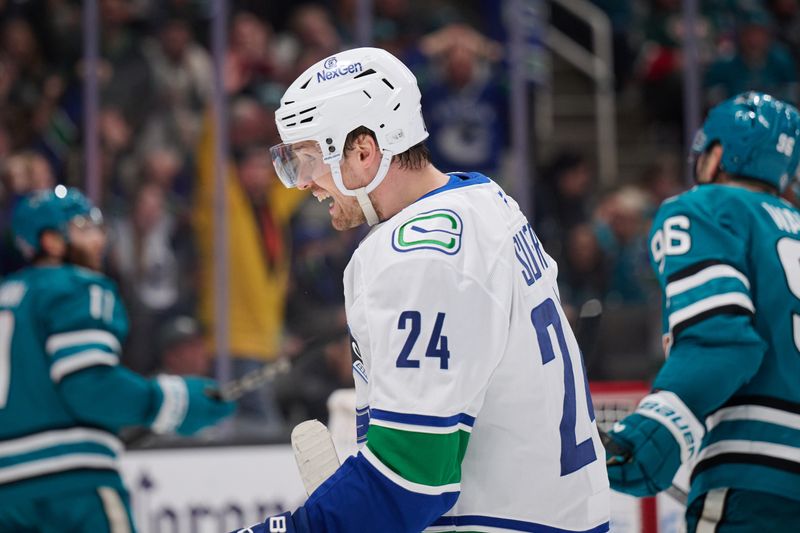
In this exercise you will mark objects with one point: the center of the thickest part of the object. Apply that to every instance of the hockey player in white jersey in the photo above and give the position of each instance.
(473, 407)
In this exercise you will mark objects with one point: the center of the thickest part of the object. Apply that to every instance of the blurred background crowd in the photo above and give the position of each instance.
(156, 161)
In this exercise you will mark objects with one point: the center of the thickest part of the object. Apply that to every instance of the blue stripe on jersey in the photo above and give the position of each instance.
(458, 180)
(357, 497)
(508, 523)
(422, 420)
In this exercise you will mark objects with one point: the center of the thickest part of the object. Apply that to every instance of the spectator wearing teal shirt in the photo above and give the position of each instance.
(759, 63)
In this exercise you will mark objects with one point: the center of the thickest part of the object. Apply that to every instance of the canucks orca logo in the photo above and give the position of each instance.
(438, 230)
(355, 351)
(330, 63)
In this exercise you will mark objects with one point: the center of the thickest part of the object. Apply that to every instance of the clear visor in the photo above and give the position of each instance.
(92, 219)
(299, 163)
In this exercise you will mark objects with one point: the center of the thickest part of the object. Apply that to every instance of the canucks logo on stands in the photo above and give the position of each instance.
(438, 230)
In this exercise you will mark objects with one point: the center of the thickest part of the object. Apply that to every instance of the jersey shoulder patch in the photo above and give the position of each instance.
(439, 230)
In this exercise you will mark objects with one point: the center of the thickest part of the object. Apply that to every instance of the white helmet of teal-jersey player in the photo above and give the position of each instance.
(360, 87)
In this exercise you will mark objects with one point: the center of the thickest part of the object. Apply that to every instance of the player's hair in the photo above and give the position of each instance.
(756, 183)
(415, 158)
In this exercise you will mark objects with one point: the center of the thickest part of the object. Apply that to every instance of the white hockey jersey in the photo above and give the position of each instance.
(469, 379)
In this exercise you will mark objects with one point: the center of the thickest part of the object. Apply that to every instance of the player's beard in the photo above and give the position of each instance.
(346, 214)
(83, 258)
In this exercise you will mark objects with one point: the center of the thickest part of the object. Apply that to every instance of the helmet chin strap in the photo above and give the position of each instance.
(362, 193)
(366, 206)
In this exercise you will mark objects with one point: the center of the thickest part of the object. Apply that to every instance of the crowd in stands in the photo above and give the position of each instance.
(155, 123)
(742, 45)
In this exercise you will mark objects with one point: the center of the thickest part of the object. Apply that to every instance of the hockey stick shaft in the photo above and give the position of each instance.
(229, 392)
(233, 390)
(588, 325)
(589, 317)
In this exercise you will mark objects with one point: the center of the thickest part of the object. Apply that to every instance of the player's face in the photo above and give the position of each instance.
(87, 242)
(344, 210)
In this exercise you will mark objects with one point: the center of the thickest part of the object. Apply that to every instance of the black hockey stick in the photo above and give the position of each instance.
(588, 325)
(587, 329)
(229, 392)
(235, 389)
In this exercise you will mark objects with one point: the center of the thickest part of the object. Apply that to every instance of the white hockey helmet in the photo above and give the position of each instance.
(360, 87)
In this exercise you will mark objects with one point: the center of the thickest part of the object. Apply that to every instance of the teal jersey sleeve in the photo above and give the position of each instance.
(111, 397)
(699, 251)
(85, 325)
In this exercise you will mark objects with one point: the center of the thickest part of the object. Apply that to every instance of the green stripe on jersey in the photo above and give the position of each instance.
(426, 458)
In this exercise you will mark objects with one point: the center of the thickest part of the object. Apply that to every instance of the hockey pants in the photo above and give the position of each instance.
(101, 510)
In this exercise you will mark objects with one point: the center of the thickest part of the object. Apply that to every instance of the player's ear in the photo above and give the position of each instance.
(366, 148)
(708, 164)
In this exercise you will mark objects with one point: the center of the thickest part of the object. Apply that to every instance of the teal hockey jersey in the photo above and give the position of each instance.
(62, 394)
(728, 261)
